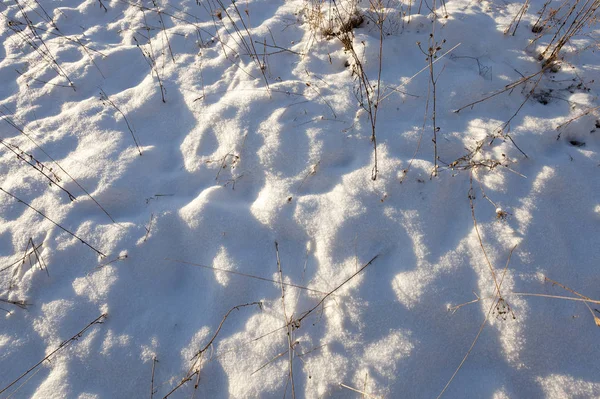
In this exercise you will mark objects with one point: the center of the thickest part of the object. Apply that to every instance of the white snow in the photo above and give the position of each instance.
(255, 183)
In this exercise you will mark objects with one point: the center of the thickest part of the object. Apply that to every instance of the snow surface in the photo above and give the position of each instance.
(230, 166)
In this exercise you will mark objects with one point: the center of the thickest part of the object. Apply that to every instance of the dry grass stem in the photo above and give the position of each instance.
(99, 320)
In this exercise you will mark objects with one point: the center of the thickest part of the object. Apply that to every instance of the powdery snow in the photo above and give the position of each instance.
(263, 139)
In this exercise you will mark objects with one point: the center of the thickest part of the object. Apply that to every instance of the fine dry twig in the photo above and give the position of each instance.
(197, 358)
(106, 100)
(30, 160)
(245, 275)
(308, 312)
(22, 131)
(495, 304)
(53, 222)
(363, 393)
(289, 327)
(99, 320)
(152, 390)
(431, 55)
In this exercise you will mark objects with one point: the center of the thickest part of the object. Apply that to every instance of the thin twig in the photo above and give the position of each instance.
(30, 160)
(497, 300)
(577, 117)
(244, 275)
(487, 259)
(259, 304)
(152, 391)
(149, 227)
(506, 88)
(53, 222)
(397, 88)
(181, 383)
(596, 319)
(197, 358)
(21, 130)
(164, 30)
(288, 324)
(511, 293)
(98, 320)
(20, 303)
(363, 393)
(104, 98)
(305, 314)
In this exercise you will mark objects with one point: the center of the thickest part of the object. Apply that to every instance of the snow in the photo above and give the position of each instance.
(255, 182)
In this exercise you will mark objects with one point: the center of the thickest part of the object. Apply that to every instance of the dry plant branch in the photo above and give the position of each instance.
(587, 112)
(420, 71)
(43, 82)
(88, 50)
(245, 275)
(53, 222)
(311, 86)
(271, 361)
(100, 266)
(297, 323)
(18, 303)
(106, 100)
(249, 44)
(581, 298)
(150, 58)
(363, 393)
(269, 333)
(181, 383)
(34, 253)
(511, 293)
(308, 312)
(46, 16)
(298, 355)
(197, 358)
(39, 259)
(487, 259)
(431, 55)
(99, 320)
(368, 96)
(102, 6)
(418, 146)
(224, 46)
(22, 259)
(152, 390)
(517, 18)
(281, 49)
(568, 298)
(149, 227)
(223, 162)
(483, 70)
(583, 16)
(380, 20)
(30, 160)
(481, 327)
(42, 49)
(29, 254)
(498, 301)
(21, 130)
(289, 327)
(475, 159)
(596, 319)
(506, 88)
(164, 30)
(504, 130)
(585, 300)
